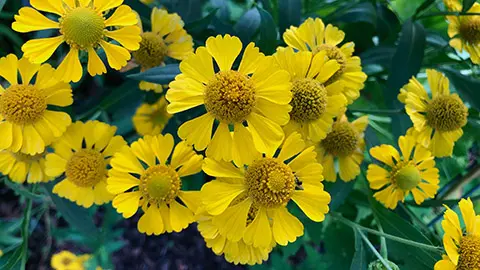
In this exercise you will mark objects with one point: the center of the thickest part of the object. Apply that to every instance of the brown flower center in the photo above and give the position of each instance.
(309, 100)
(341, 141)
(152, 51)
(469, 253)
(446, 113)
(86, 168)
(22, 104)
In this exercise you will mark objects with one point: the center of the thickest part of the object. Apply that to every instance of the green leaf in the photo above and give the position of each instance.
(423, 6)
(359, 261)
(248, 25)
(411, 257)
(339, 191)
(198, 26)
(467, 4)
(388, 24)
(290, 13)
(467, 86)
(268, 32)
(12, 260)
(362, 12)
(159, 75)
(2, 3)
(378, 56)
(22, 191)
(338, 248)
(77, 216)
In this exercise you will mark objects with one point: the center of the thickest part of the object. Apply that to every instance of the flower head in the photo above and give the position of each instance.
(167, 39)
(461, 245)
(464, 31)
(148, 175)
(443, 114)
(66, 260)
(256, 95)
(27, 123)
(83, 25)
(151, 119)
(345, 144)
(251, 203)
(413, 172)
(83, 154)
(312, 35)
(20, 167)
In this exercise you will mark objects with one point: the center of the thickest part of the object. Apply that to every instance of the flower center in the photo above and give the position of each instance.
(86, 168)
(82, 27)
(309, 100)
(270, 183)
(334, 53)
(469, 253)
(446, 113)
(152, 51)
(67, 261)
(160, 183)
(22, 104)
(469, 29)
(341, 141)
(407, 177)
(230, 96)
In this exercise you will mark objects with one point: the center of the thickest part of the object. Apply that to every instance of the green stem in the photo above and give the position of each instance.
(388, 236)
(373, 249)
(438, 203)
(383, 241)
(366, 111)
(26, 229)
(447, 13)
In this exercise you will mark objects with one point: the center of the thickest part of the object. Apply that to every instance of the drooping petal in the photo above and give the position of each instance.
(70, 69)
(29, 19)
(259, 233)
(224, 50)
(95, 64)
(286, 227)
(217, 196)
(151, 222)
(127, 203)
(197, 131)
(117, 56)
(128, 37)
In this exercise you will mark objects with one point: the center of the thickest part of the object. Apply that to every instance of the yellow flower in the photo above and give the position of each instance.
(314, 104)
(444, 114)
(235, 252)
(453, 5)
(344, 143)
(167, 39)
(312, 35)
(464, 32)
(26, 122)
(251, 203)
(400, 175)
(151, 119)
(20, 167)
(257, 94)
(83, 153)
(461, 245)
(143, 175)
(83, 26)
(66, 260)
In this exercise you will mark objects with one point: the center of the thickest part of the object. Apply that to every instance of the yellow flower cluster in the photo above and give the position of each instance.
(273, 128)
(66, 260)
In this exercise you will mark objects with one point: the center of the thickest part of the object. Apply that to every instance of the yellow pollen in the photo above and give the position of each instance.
(22, 104)
(152, 51)
(82, 27)
(446, 113)
(334, 53)
(160, 183)
(269, 182)
(341, 141)
(309, 100)
(469, 29)
(86, 168)
(230, 96)
(407, 177)
(469, 253)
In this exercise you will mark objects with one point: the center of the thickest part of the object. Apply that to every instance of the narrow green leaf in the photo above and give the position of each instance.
(248, 25)
(160, 75)
(378, 56)
(77, 216)
(25, 230)
(2, 3)
(388, 24)
(268, 32)
(359, 261)
(411, 257)
(362, 12)
(12, 261)
(467, 4)
(198, 26)
(22, 191)
(290, 13)
(423, 6)
(467, 86)
(339, 191)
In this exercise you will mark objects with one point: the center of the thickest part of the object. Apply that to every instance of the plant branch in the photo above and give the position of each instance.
(373, 249)
(447, 13)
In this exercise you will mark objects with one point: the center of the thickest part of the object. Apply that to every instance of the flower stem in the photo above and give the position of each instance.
(373, 249)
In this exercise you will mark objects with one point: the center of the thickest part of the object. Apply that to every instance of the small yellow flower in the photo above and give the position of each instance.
(444, 114)
(314, 104)
(83, 153)
(66, 260)
(27, 123)
(151, 119)
(400, 175)
(453, 5)
(344, 143)
(312, 35)
(235, 252)
(250, 203)
(464, 31)
(148, 175)
(21, 167)
(167, 39)
(461, 245)
(256, 95)
(83, 26)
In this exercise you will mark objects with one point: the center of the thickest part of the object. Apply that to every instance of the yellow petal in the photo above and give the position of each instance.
(220, 148)
(439, 84)
(95, 64)
(182, 153)
(151, 222)
(377, 176)
(293, 145)
(233, 221)
(348, 168)
(259, 233)
(274, 86)
(267, 135)
(385, 153)
(250, 59)
(128, 37)
(406, 144)
(221, 169)
(468, 214)
(52, 6)
(119, 182)
(30, 19)
(329, 169)
(19, 172)
(101, 194)
(275, 112)
(127, 203)
(286, 227)
(162, 146)
(70, 70)
(451, 249)
(198, 66)
(180, 216)
(6, 134)
(243, 151)
(59, 95)
(192, 166)
(217, 196)
(164, 23)
(32, 141)
(27, 70)
(143, 151)
(441, 144)
(125, 161)
(314, 203)
(224, 50)
(197, 131)
(305, 158)
(117, 56)
(123, 15)
(8, 68)
(333, 36)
